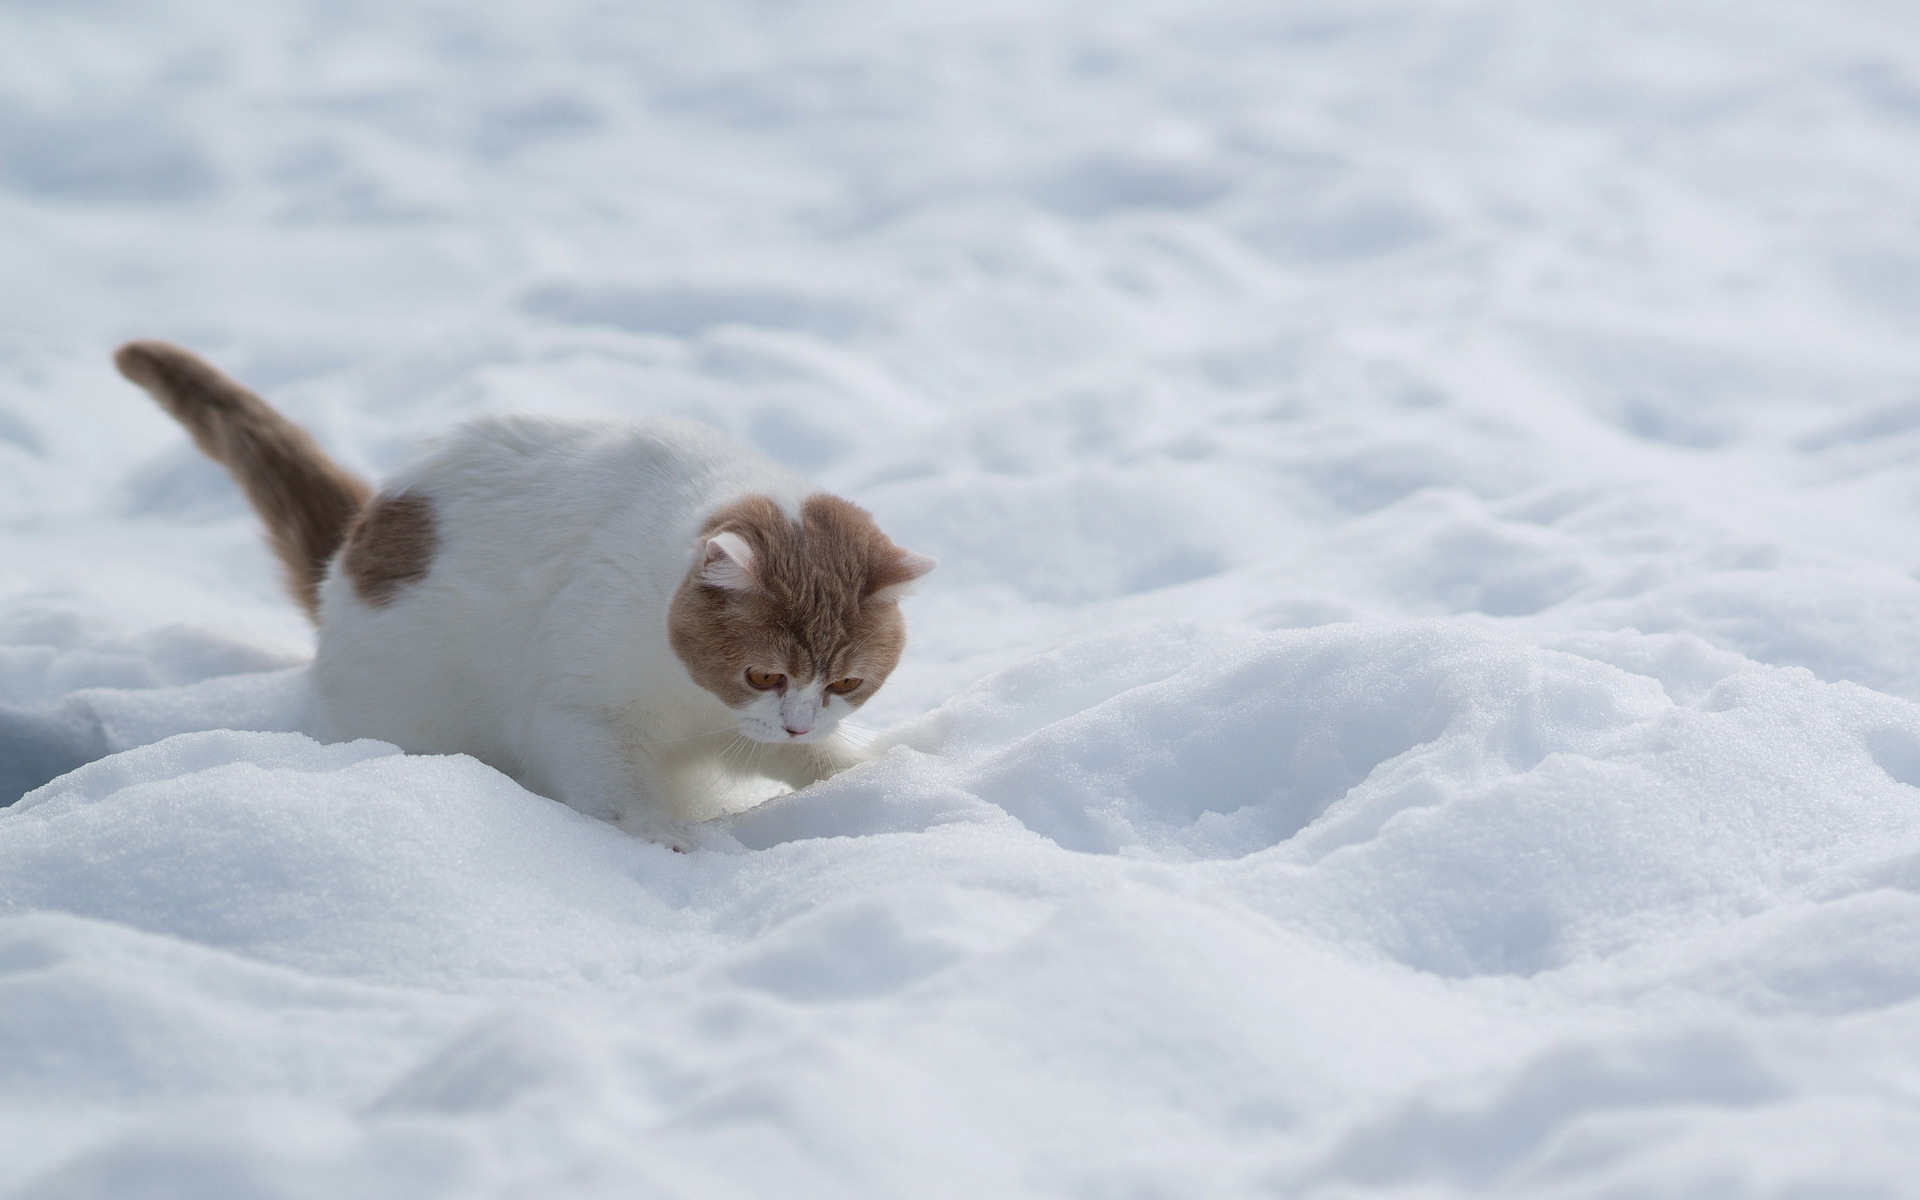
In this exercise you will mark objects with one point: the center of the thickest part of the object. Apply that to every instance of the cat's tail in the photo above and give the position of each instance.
(306, 499)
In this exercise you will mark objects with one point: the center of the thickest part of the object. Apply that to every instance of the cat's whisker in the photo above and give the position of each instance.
(717, 777)
(651, 746)
(741, 754)
(689, 738)
(856, 735)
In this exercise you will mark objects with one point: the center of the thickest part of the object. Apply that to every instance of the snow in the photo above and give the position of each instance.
(1421, 696)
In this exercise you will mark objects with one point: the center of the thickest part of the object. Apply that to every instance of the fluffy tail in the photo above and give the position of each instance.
(307, 501)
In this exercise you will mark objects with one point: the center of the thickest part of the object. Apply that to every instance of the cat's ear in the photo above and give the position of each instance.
(728, 564)
(894, 576)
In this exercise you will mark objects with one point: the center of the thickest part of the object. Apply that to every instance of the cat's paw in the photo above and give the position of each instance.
(681, 837)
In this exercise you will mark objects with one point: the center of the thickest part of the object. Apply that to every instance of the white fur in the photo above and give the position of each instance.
(538, 639)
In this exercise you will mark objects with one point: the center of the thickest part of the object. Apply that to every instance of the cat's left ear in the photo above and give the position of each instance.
(728, 564)
(894, 576)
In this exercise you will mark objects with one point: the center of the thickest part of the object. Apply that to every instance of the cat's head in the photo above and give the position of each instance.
(793, 622)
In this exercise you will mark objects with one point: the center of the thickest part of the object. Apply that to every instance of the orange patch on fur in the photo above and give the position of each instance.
(390, 546)
(809, 610)
(306, 500)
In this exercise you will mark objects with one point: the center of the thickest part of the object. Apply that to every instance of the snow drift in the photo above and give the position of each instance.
(1421, 696)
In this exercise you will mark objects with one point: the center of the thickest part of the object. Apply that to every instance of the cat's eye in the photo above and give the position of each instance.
(764, 679)
(844, 686)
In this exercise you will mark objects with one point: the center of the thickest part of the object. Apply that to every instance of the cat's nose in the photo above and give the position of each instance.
(797, 730)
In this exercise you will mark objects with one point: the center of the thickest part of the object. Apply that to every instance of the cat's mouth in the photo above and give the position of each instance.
(760, 729)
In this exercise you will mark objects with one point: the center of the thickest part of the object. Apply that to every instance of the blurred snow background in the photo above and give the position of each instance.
(1419, 698)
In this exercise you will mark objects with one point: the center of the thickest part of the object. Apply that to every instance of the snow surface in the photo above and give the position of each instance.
(1421, 696)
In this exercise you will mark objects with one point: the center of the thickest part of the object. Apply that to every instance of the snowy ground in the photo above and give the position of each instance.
(1421, 696)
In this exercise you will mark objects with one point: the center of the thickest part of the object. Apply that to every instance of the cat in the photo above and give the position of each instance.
(617, 614)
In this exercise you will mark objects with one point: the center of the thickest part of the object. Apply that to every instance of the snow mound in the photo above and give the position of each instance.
(1460, 801)
(331, 858)
(1234, 882)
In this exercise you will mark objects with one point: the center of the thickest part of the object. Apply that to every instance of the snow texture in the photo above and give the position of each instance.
(1421, 697)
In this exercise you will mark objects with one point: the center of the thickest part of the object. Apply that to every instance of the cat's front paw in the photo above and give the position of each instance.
(681, 837)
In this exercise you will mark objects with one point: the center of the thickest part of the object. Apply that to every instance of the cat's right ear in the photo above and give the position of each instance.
(728, 564)
(894, 578)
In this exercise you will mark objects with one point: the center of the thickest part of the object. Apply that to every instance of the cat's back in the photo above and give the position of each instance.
(561, 480)
(520, 507)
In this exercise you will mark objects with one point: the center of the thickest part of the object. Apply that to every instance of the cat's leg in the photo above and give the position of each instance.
(578, 758)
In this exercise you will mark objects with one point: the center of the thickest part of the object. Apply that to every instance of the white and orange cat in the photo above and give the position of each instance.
(599, 609)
